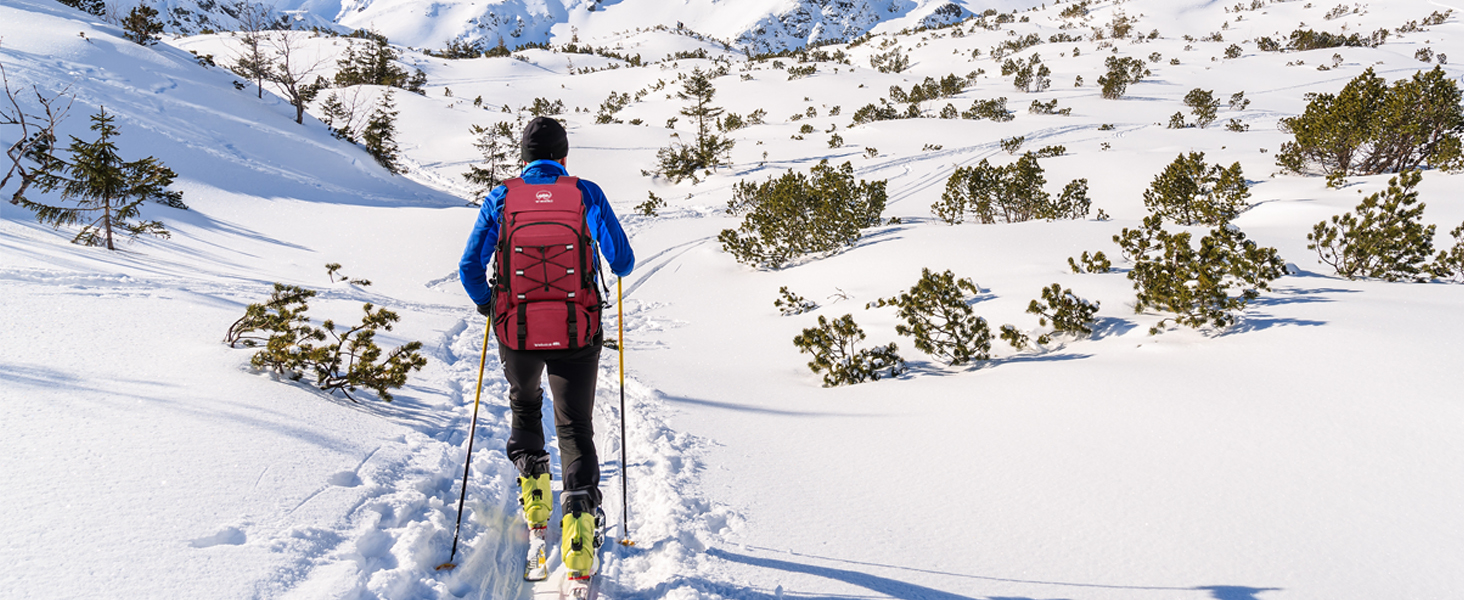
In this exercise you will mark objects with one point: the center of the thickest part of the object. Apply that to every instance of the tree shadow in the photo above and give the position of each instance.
(890, 587)
(755, 409)
(1296, 295)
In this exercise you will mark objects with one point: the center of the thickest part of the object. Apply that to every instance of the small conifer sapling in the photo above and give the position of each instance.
(938, 315)
(834, 346)
(1383, 238)
(1065, 311)
(107, 191)
(790, 304)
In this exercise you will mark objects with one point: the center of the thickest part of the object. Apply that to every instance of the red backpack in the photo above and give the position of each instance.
(544, 294)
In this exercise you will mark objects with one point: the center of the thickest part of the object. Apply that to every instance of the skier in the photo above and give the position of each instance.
(530, 342)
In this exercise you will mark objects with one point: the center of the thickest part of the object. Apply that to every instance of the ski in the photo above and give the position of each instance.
(537, 566)
(582, 585)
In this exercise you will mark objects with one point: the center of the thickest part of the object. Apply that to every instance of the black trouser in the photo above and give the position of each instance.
(572, 378)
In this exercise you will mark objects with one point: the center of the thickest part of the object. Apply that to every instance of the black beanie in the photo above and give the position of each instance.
(544, 138)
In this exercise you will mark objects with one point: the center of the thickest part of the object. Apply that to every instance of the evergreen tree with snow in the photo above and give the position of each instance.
(1204, 105)
(253, 63)
(937, 313)
(141, 25)
(1191, 192)
(379, 135)
(375, 64)
(709, 149)
(1384, 237)
(107, 192)
(499, 145)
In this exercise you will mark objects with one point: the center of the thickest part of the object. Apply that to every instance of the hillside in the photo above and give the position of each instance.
(1308, 451)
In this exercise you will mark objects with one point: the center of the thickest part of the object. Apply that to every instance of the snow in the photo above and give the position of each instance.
(1312, 451)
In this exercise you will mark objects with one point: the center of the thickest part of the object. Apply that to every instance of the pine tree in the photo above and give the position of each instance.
(1191, 192)
(1121, 72)
(375, 64)
(1385, 238)
(938, 315)
(1065, 310)
(253, 63)
(1204, 105)
(709, 149)
(835, 350)
(1205, 286)
(338, 118)
(1369, 127)
(108, 191)
(796, 215)
(379, 135)
(498, 145)
(141, 25)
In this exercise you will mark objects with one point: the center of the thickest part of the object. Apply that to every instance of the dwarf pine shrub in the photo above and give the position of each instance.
(789, 303)
(939, 316)
(1011, 194)
(1191, 192)
(1066, 311)
(1028, 76)
(1096, 262)
(652, 204)
(1017, 339)
(1370, 127)
(1204, 105)
(1450, 263)
(283, 313)
(797, 214)
(875, 112)
(890, 62)
(342, 359)
(708, 150)
(834, 346)
(1122, 71)
(1383, 238)
(612, 105)
(1209, 285)
(994, 109)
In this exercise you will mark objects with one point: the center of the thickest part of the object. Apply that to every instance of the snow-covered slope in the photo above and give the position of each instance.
(1310, 452)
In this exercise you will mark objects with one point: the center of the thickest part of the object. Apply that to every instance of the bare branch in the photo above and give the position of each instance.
(37, 132)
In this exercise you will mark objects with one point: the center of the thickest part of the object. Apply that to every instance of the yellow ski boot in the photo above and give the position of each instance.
(536, 497)
(581, 537)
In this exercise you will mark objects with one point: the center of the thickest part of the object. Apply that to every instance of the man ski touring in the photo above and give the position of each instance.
(537, 237)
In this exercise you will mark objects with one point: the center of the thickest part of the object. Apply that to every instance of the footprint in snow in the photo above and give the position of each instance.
(345, 479)
(228, 536)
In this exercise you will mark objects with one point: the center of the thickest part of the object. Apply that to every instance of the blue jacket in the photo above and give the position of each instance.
(474, 267)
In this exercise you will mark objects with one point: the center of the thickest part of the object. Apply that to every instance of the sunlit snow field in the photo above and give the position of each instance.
(1313, 451)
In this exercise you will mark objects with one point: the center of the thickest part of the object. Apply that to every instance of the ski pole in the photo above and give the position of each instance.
(624, 467)
(468, 462)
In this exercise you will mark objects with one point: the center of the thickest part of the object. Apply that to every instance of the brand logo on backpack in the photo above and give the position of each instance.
(544, 295)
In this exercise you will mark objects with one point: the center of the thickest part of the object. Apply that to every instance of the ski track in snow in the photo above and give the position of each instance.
(403, 527)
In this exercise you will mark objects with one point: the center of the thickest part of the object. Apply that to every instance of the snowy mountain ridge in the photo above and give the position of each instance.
(753, 25)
